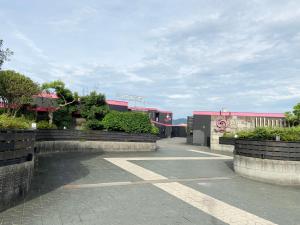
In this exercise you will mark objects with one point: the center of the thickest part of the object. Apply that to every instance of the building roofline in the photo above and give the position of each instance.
(248, 114)
(117, 102)
(46, 95)
(144, 109)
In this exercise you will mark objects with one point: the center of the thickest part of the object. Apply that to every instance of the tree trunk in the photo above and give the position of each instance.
(50, 117)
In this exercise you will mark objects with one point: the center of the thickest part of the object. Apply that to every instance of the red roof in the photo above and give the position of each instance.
(38, 109)
(45, 109)
(163, 124)
(248, 114)
(144, 109)
(161, 111)
(46, 95)
(2, 105)
(116, 102)
(169, 125)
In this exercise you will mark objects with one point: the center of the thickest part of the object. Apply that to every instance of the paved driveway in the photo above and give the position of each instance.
(178, 184)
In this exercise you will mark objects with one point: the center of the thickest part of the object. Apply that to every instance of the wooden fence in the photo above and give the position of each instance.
(91, 135)
(16, 146)
(276, 150)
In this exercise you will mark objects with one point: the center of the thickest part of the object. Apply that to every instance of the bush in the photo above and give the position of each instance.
(154, 130)
(44, 124)
(267, 133)
(9, 122)
(94, 125)
(130, 122)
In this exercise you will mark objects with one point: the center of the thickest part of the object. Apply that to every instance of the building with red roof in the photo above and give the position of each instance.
(205, 127)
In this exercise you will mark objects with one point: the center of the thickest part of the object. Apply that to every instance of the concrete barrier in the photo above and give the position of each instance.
(16, 165)
(15, 182)
(270, 171)
(43, 147)
(268, 161)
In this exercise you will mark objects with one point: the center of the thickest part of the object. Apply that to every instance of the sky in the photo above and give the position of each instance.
(180, 55)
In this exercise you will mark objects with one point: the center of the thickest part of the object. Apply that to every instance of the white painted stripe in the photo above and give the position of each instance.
(214, 207)
(210, 153)
(170, 158)
(126, 183)
(110, 184)
(135, 169)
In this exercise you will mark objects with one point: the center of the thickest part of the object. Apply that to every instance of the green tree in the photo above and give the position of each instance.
(68, 102)
(296, 112)
(93, 107)
(291, 119)
(16, 90)
(4, 54)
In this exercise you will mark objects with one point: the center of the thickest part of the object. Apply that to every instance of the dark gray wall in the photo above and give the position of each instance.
(178, 131)
(201, 130)
(118, 108)
(189, 130)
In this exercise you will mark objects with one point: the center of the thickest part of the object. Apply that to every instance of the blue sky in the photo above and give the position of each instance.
(180, 55)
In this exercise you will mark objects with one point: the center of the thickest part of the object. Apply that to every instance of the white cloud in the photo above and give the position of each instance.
(179, 96)
(240, 54)
(30, 43)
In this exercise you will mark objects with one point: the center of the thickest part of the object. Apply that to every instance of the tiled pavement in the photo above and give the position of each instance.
(171, 186)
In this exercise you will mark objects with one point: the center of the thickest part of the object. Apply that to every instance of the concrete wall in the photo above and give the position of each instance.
(271, 171)
(233, 124)
(93, 146)
(15, 182)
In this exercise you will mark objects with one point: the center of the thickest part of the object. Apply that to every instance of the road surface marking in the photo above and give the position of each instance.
(210, 153)
(171, 158)
(125, 183)
(214, 207)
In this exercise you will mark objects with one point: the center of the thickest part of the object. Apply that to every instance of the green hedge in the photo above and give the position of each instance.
(267, 133)
(44, 124)
(9, 122)
(93, 124)
(130, 122)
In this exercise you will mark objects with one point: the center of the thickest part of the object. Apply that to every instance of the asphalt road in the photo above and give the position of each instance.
(178, 184)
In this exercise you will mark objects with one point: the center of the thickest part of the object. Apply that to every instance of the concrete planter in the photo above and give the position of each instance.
(44, 147)
(268, 161)
(16, 165)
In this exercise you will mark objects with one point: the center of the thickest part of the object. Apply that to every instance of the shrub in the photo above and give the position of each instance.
(130, 122)
(267, 133)
(44, 124)
(154, 130)
(94, 125)
(9, 122)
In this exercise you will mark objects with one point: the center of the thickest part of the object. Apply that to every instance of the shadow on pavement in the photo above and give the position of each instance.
(56, 170)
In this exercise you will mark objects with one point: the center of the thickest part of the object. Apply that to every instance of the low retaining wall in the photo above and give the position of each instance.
(15, 182)
(16, 165)
(49, 141)
(268, 161)
(92, 135)
(93, 146)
